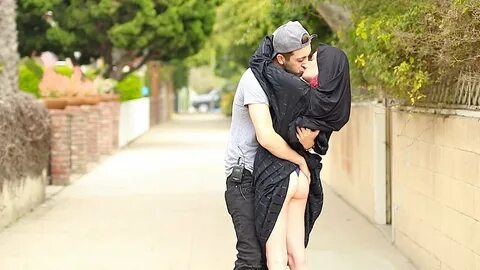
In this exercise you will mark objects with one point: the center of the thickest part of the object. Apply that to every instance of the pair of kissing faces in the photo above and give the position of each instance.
(311, 68)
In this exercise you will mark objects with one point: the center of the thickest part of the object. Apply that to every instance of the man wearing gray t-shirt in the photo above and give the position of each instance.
(251, 126)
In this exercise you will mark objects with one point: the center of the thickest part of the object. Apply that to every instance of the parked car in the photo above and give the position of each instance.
(206, 102)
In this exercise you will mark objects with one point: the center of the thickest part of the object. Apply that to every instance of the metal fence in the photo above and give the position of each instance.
(463, 92)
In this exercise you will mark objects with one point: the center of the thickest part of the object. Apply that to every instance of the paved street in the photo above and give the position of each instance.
(158, 204)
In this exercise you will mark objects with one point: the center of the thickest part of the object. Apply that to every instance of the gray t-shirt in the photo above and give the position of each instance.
(242, 141)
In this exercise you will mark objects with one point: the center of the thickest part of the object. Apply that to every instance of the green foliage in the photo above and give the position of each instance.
(117, 31)
(205, 57)
(282, 12)
(130, 87)
(450, 37)
(238, 33)
(203, 79)
(32, 26)
(91, 73)
(400, 48)
(381, 63)
(30, 75)
(226, 102)
(360, 9)
(28, 82)
(64, 70)
(180, 74)
(32, 65)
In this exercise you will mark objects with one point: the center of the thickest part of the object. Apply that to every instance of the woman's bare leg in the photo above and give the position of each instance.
(296, 225)
(276, 246)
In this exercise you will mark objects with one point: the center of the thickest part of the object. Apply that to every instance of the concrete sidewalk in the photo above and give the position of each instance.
(158, 204)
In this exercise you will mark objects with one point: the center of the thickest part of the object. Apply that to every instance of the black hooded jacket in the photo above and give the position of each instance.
(293, 102)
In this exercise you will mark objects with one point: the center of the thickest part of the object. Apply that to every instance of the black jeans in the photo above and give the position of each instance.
(240, 204)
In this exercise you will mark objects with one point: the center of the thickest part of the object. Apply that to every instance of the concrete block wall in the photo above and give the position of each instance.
(348, 166)
(436, 189)
(134, 120)
(435, 177)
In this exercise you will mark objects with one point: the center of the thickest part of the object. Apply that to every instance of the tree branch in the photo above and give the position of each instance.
(144, 60)
(336, 16)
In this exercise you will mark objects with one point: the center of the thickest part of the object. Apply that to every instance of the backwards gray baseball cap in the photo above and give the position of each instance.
(290, 37)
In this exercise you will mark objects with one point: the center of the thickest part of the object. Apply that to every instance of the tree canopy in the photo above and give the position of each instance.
(396, 48)
(402, 48)
(240, 26)
(129, 32)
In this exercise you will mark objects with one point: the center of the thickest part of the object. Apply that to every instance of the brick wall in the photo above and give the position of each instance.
(93, 117)
(60, 147)
(105, 130)
(78, 139)
(80, 135)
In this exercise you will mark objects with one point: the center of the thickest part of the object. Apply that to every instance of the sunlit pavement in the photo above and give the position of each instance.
(158, 204)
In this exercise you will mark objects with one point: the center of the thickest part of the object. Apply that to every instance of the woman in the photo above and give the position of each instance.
(286, 202)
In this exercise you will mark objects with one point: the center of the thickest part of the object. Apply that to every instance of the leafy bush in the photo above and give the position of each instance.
(30, 75)
(380, 61)
(397, 50)
(91, 73)
(238, 33)
(226, 102)
(130, 87)
(180, 75)
(64, 70)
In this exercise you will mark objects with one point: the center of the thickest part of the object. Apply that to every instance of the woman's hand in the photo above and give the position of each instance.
(307, 137)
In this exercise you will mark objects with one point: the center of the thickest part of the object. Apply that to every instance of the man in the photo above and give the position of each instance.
(252, 125)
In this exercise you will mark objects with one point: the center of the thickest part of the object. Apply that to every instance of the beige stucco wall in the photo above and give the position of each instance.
(436, 189)
(19, 197)
(435, 181)
(348, 166)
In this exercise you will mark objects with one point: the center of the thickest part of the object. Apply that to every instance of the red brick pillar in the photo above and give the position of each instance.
(78, 139)
(60, 147)
(115, 125)
(106, 126)
(92, 116)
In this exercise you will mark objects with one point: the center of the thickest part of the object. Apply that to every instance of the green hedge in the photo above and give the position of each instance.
(30, 75)
(130, 87)
(399, 48)
(64, 70)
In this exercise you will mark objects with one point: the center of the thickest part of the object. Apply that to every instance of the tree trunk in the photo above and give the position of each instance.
(8, 47)
(24, 124)
(121, 58)
(336, 16)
